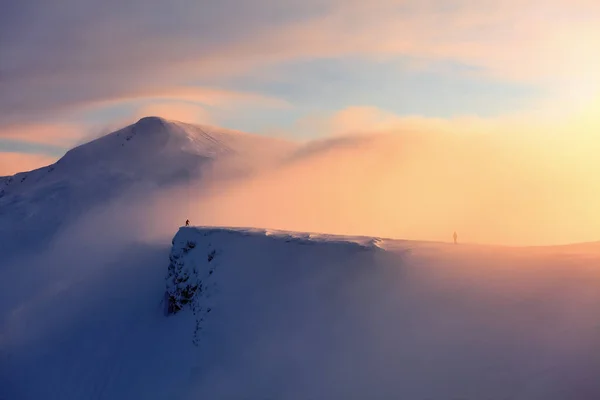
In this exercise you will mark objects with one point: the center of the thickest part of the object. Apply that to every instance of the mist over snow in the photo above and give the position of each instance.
(490, 188)
(86, 245)
(128, 167)
(295, 316)
(418, 185)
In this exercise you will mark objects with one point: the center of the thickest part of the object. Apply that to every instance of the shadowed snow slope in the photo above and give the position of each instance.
(279, 315)
(148, 155)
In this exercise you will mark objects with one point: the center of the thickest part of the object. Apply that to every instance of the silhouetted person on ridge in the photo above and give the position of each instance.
(455, 236)
(187, 222)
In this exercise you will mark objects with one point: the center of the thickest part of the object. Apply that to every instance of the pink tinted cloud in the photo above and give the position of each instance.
(172, 110)
(369, 119)
(204, 95)
(510, 180)
(11, 163)
(181, 103)
(549, 43)
(56, 134)
(176, 110)
(573, 140)
(148, 56)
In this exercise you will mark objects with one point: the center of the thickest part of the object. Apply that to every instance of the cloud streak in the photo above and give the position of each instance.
(57, 134)
(86, 52)
(83, 53)
(187, 104)
(11, 163)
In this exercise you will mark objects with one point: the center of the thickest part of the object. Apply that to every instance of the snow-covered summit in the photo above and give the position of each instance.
(153, 153)
(151, 136)
(157, 145)
(152, 148)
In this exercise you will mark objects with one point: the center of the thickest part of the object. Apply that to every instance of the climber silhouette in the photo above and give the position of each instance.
(187, 222)
(455, 236)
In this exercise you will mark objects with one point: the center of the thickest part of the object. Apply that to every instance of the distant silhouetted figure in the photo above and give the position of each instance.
(455, 236)
(187, 223)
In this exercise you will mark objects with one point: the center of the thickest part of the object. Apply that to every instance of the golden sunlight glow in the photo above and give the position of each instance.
(511, 187)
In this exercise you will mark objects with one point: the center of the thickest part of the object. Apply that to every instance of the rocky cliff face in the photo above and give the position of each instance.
(199, 268)
(190, 278)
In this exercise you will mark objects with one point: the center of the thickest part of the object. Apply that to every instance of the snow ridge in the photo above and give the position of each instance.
(195, 259)
(294, 316)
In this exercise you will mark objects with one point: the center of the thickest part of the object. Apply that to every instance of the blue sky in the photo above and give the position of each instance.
(327, 85)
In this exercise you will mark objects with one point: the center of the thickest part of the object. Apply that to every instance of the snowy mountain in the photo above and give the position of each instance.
(149, 155)
(98, 300)
(280, 315)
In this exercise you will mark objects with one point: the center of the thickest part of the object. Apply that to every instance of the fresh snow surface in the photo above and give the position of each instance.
(286, 315)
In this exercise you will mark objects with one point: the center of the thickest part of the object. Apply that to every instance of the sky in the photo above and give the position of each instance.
(71, 70)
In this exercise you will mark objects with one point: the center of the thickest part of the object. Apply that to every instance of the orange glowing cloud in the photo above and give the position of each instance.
(185, 104)
(550, 43)
(202, 95)
(11, 163)
(509, 39)
(56, 134)
(507, 180)
(550, 121)
(176, 110)
(488, 187)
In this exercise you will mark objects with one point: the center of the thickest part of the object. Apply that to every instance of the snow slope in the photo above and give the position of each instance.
(280, 315)
(149, 155)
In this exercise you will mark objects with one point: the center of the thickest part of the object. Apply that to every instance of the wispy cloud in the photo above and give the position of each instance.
(84, 53)
(582, 122)
(178, 111)
(188, 104)
(56, 58)
(11, 163)
(497, 181)
(50, 133)
(202, 95)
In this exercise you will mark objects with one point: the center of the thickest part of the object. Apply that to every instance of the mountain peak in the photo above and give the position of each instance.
(151, 122)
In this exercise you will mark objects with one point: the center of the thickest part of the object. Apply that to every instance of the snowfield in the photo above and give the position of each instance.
(282, 315)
